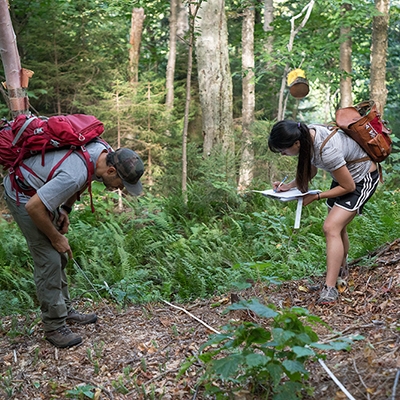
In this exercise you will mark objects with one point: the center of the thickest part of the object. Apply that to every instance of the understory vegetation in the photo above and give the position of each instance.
(162, 247)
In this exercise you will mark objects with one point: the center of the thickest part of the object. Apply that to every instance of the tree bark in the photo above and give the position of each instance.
(135, 40)
(182, 23)
(192, 20)
(171, 55)
(215, 81)
(378, 91)
(346, 99)
(16, 78)
(248, 98)
(268, 20)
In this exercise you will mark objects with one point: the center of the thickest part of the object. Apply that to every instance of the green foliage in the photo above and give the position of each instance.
(161, 247)
(84, 391)
(268, 360)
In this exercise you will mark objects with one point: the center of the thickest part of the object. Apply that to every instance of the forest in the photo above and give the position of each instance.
(194, 87)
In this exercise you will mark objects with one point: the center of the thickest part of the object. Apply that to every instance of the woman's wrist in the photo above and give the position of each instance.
(318, 196)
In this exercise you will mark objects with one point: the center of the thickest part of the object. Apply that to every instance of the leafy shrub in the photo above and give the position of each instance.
(267, 361)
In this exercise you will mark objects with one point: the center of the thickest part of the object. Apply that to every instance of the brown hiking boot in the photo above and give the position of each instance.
(63, 337)
(79, 318)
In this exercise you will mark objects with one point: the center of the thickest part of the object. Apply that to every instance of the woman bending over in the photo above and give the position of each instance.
(353, 184)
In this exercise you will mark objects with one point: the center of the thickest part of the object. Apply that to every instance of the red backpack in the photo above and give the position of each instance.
(27, 136)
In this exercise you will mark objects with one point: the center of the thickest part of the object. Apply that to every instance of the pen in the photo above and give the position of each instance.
(282, 182)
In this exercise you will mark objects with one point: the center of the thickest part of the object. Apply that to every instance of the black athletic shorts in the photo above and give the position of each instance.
(355, 201)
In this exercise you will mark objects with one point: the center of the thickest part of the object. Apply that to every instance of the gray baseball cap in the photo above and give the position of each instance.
(129, 168)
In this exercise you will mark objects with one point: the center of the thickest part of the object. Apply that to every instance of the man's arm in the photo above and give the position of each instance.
(41, 217)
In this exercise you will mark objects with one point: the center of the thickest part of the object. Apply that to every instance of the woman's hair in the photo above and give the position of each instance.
(283, 135)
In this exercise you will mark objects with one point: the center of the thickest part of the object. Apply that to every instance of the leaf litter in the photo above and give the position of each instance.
(137, 352)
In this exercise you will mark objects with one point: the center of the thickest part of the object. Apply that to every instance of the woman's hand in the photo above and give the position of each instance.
(309, 198)
(281, 188)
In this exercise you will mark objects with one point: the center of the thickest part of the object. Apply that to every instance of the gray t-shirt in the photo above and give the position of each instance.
(339, 150)
(69, 178)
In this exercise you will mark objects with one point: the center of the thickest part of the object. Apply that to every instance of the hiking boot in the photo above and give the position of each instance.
(63, 337)
(328, 295)
(314, 287)
(79, 318)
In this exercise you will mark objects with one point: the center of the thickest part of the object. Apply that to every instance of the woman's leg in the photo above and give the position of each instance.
(337, 241)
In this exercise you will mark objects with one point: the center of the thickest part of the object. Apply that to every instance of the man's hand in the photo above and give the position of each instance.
(63, 222)
(42, 219)
(60, 243)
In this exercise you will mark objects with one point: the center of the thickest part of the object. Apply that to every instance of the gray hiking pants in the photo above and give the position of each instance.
(49, 269)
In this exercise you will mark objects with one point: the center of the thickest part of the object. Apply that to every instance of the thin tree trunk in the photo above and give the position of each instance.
(293, 32)
(248, 98)
(192, 18)
(346, 99)
(135, 40)
(16, 78)
(172, 55)
(379, 54)
(268, 20)
(215, 81)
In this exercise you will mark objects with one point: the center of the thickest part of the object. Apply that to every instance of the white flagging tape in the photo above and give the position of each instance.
(330, 373)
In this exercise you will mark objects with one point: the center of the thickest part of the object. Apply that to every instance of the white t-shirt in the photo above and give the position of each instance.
(69, 178)
(339, 150)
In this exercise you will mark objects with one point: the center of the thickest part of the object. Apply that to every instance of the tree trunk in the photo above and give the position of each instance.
(268, 20)
(171, 55)
(248, 98)
(192, 19)
(346, 99)
(135, 40)
(182, 23)
(378, 91)
(293, 32)
(16, 78)
(215, 81)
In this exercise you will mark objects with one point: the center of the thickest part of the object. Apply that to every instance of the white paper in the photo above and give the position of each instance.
(292, 194)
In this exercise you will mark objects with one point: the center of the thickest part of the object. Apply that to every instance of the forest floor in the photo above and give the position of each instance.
(136, 352)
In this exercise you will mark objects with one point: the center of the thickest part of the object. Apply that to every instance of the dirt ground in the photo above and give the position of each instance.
(136, 353)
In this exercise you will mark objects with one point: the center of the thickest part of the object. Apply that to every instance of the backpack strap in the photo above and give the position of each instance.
(22, 130)
(90, 167)
(366, 158)
(334, 130)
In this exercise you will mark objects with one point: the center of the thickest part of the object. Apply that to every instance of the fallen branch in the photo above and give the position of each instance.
(336, 380)
(361, 379)
(194, 317)
(377, 253)
(340, 334)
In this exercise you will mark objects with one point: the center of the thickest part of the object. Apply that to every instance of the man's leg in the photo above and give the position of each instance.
(49, 269)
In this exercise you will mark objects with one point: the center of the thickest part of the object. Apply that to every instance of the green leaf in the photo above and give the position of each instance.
(303, 351)
(258, 335)
(227, 367)
(256, 360)
(294, 366)
(340, 345)
(255, 306)
(321, 346)
(287, 391)
(276, 371)
(282, 336)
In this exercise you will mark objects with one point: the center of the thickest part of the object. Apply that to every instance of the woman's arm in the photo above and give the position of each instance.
(346, 185)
